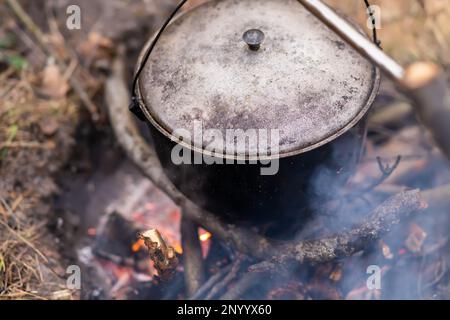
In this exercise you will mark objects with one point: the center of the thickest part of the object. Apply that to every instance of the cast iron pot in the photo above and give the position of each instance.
(267, 64)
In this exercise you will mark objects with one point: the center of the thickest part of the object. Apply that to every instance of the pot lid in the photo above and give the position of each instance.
(252, 65)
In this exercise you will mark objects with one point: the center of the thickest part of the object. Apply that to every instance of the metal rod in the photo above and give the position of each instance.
(353, 37)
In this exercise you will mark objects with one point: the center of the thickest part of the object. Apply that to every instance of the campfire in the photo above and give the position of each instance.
(379, 220)
(369, 219)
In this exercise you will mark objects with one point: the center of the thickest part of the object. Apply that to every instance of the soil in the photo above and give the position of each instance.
(40, 135)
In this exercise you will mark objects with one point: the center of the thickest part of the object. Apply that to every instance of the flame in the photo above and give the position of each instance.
(178, 248)
(205, 236)
(137, 245)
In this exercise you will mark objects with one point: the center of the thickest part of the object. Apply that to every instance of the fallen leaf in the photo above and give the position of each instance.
(53, 83)
(96, 46)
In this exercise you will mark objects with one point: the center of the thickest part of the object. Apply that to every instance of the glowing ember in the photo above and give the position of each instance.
(336, 275)
(137, 245)
(204, 236)
(387, 253)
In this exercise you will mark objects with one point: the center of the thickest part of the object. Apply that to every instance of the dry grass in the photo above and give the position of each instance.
(19, 257)
(34, 134)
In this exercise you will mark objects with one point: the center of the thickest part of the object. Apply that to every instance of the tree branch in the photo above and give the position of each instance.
(373, 227)
(194, 269)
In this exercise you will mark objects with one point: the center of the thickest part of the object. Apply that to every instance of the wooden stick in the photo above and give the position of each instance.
(26, 144)
(28, 23)
(194, 269)
(377, 224)
(426, 85)
(163, 256)
(212, 281)
(220, 286)
(247, 281)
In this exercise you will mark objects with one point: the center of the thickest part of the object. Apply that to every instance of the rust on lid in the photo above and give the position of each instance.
(302, 80)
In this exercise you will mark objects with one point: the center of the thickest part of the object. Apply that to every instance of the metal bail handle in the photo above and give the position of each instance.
(252, 37)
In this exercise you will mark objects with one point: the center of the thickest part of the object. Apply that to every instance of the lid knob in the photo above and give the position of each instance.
(253, 38)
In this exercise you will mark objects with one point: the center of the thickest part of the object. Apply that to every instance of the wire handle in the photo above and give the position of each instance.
(374, 24)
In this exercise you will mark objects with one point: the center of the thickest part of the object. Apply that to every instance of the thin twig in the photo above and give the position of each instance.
(26, 144)
(28, 22)
(20, 237)
(212, 281)
(237, 265)
(386, 172)
(344, 244)
(245, 283)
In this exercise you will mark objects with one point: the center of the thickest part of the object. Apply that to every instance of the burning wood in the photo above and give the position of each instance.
(164, 257)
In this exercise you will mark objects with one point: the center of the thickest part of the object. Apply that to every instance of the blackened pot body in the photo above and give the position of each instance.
(239, 193)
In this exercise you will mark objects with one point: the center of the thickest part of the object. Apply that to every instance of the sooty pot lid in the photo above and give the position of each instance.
(250, 65)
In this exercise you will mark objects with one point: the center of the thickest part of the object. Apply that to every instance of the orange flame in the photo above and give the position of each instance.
(205, 236)
(178, 248)
(137, 245)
